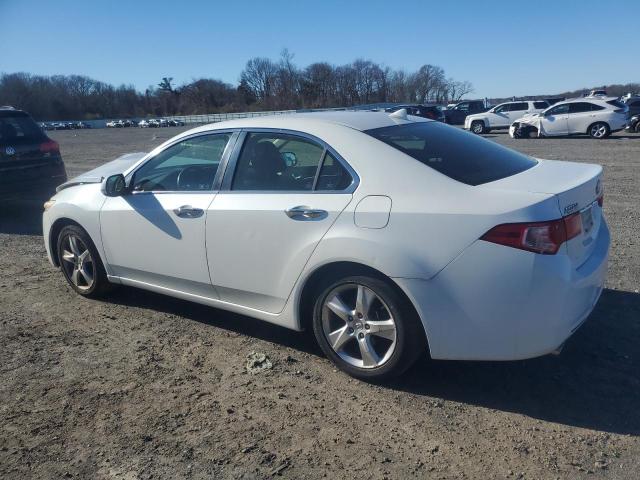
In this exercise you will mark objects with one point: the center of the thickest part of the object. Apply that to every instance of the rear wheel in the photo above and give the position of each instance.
(599, 130)
(638, 127)
(80, 262)
(366, 328)
(478, 127)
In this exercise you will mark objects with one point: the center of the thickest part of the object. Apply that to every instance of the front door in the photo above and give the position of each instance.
(556, 120)
(156, 233)
(278, 202)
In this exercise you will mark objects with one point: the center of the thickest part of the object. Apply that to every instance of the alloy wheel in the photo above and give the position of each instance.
(599, 130)
(358, 326)
(78, 263)
(477, 128)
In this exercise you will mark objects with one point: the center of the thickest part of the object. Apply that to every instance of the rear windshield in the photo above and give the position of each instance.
(616, 103)
(15, 129)
(459, 155)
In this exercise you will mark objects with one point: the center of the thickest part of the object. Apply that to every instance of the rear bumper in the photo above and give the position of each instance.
(499, 303)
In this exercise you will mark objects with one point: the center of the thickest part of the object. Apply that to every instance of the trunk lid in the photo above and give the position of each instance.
(577, 187)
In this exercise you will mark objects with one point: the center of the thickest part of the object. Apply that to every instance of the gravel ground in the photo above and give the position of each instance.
(145, 386)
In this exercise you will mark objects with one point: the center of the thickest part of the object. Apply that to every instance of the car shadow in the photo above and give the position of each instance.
(229, 321)
(594, 383)
(21, 218)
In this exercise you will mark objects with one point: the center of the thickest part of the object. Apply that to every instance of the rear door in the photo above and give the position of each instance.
(581, 116)
(281, 193)
(517, 110)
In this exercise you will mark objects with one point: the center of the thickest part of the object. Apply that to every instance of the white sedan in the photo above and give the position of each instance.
(387, 236)
(597, 117)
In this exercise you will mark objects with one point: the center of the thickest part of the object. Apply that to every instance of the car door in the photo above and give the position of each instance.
(580, 117)
(555, 120)
(500, 116)
(281, 193)
(517, 110)
(155, 234)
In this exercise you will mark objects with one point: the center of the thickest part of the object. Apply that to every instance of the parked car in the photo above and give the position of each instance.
(431, 112)
(143, 124)
(634, 124)
(633, 103)
(163, 122)
(597, 117)
(457, 114)
(175, 123)
(597, 93)
(111, 124)
(153, 123)
(30, 163)
(503, 115)
(297, 229)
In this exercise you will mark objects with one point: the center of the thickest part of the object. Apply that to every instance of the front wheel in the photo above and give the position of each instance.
(599, 130)
(367, 328)
(80, 262)
(478, 127)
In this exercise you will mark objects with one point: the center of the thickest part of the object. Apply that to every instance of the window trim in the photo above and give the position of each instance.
(231, 165)
(217, 181)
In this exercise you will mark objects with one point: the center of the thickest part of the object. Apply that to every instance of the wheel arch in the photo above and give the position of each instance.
(338, 269)
(54, 232)
(595, 123)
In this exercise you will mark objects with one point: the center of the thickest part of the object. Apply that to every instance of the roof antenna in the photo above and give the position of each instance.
(400, 114)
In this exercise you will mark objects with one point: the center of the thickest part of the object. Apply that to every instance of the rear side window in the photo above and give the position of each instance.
(19, 129)
(459, 155)
(542, 105)
(517, 107)
(333, 176)
(579, 107)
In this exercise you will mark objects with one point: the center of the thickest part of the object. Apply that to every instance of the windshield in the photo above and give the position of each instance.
(458, 154)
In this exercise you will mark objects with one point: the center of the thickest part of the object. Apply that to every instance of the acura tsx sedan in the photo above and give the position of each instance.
(386, 235)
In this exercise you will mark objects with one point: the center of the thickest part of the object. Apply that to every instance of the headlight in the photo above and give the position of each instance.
(48, 204)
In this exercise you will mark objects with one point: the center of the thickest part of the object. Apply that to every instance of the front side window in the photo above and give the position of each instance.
(463, 107)
(459, 155)
(504, 108)
(190, 165)
(559, 109)
(277, 161)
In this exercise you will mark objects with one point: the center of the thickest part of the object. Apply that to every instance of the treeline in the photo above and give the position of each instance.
(264, 84)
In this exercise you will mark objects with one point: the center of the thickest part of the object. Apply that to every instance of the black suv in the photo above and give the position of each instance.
(456, 114)
(424, 111)
(30, 163)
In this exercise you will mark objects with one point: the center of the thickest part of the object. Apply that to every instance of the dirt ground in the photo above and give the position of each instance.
(144, 386)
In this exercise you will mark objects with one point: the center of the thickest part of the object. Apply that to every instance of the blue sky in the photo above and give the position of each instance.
(503, 47)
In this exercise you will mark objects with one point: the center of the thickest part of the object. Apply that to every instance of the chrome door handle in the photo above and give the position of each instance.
(187, 211)
(301, 213)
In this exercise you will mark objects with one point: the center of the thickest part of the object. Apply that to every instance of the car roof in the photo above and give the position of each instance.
(298, 121)
(590, 99)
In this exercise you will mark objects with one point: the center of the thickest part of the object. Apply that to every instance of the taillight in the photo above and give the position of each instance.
(49, 147)
(538, 237)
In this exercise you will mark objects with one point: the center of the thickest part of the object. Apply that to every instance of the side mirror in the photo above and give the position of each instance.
(290, 158)
(114, 185)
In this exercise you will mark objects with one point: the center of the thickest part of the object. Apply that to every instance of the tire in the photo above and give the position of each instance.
(80, 263)
(599, 130)
(477, 127)
(383, 324)
(638, 127)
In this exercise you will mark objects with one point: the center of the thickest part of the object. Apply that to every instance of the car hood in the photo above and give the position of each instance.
(530, 118)
(119, 165)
